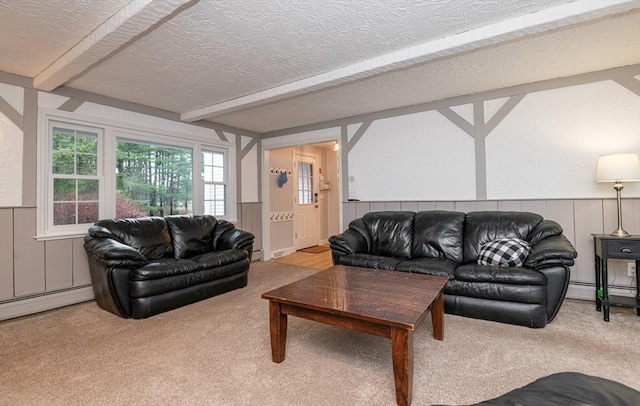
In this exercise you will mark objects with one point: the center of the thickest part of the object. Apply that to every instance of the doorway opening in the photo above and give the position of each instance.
(302, 208)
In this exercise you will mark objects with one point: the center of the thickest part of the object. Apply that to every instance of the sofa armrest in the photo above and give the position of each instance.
(349, 242)
(235, 239)
(111, 253)
(551, 251)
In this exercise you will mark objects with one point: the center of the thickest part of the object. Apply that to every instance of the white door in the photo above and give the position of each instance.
(306, 218)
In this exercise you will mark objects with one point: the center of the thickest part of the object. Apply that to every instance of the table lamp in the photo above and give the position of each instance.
(618, 168)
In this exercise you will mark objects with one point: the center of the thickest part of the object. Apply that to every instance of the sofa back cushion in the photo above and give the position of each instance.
(438, 234)
(191, 235)
(482, 227)
(388, 233)
(149, 235)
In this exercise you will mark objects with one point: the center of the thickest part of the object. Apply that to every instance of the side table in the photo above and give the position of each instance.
(605, 247)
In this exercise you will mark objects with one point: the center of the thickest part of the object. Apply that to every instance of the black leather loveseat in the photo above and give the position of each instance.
(145, 266)
(449, 243)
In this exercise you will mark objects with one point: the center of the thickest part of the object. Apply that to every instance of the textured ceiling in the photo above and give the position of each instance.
(211, 52)
(33, 34)
(557, 54)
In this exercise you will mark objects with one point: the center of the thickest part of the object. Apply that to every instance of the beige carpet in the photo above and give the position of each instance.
(216, 352)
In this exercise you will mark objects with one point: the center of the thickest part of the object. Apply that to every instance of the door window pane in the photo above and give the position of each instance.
(305, 183)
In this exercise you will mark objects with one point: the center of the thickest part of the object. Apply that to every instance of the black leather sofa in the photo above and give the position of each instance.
(144, 266)
(447, 243)
(568, 389)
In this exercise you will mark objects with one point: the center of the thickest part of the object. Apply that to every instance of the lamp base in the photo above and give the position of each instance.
(620, 233)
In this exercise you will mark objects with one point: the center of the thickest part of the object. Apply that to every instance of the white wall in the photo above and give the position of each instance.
(548, 146)
(545, 148)
(11, 143)
(420, 156)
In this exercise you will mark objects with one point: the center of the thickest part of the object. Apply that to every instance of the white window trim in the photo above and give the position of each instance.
(111, 130)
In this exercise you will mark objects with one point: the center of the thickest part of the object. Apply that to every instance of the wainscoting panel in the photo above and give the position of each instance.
(588, 218)
(81, 275)
(58, 261)
(250, 216)
(6, 253)
(28, 254)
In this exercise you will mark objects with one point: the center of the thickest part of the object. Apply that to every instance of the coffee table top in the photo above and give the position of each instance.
(398, 299)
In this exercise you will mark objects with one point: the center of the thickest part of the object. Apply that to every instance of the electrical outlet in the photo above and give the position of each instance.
(631, 269)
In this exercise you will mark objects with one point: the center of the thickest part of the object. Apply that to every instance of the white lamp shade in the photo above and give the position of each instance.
(618, 168)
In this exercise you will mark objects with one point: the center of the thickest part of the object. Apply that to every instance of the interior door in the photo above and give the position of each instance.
(306, 214)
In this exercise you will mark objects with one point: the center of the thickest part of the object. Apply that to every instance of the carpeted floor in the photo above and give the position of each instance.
(216, 352)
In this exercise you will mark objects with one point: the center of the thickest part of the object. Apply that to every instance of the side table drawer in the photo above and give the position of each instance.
(623, 249)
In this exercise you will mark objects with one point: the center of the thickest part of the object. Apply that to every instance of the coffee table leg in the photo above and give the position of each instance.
(402, 353)
(437, 317)
(278, 331)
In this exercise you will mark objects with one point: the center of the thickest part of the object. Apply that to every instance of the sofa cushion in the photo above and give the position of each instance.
(504, 252)
(482, 227)
(428, 266)
(494, 274)
(170, 266)
(498, 293)
(149, 235)
(191, 235)
(370, 261)
(388, 233)
(438, 234)
(189, 275)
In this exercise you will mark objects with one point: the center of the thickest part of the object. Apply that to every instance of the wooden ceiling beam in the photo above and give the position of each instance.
(514, 28)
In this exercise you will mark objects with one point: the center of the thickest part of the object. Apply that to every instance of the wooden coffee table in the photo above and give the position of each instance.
(384, 303)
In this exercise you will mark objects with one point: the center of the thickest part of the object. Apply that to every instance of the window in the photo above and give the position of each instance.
(74, 179)
(215, 185)
(93, 170)
(305, 183)
(152, 180)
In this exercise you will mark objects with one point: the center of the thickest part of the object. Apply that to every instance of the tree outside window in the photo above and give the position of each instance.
(152, 180)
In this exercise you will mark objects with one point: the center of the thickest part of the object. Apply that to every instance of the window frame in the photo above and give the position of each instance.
(111, 132)
(51, 177)
(225, 181)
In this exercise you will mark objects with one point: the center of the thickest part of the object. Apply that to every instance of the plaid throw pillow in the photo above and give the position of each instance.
(504, 252)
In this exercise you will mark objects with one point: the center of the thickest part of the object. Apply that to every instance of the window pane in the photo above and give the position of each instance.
(218, 159)
(220, 191)
(63, 140)
(213, 168)
(87, 212)
(154, 178)
(86, 143)
(218, 174)
(62, 163)
(208, 174)
(64, 190)
(87, 164)
(88, 189)
(64, 214)
(207, 159)
(305, 183)
(74, 152)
